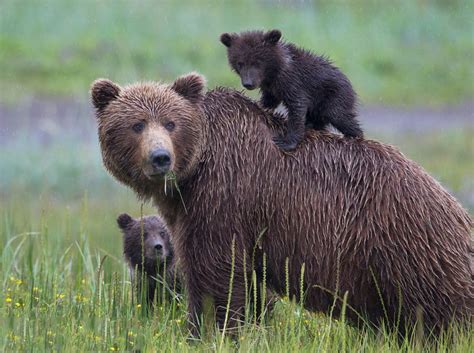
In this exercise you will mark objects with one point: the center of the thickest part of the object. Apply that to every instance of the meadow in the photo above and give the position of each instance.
(63, 282)
(402, 52)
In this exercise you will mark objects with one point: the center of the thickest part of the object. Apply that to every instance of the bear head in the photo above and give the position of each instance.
(255, 56)
(146, 241)
(150, 131)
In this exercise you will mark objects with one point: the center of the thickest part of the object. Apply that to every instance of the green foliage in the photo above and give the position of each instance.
(404, 52)
(62, 291)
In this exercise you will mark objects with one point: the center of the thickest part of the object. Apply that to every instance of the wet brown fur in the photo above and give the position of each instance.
(361, 217)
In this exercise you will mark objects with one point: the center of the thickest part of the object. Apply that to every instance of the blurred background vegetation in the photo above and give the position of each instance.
(410, 58)
(411, 62)
(395, 52)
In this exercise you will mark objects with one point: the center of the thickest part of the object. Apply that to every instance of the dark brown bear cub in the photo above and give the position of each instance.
(147, 247)
(315, 92)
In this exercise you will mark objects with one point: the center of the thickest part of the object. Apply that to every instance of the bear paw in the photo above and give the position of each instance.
(285, 143)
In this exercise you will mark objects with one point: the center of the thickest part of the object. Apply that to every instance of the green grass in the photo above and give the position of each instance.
(409, 52)
(56, 296)
(57, 225)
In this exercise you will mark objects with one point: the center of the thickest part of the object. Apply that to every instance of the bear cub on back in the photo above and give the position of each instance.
(146, 247)
(315, 92)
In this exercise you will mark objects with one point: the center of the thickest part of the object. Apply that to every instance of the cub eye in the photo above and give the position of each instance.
(170, 126)
(138, 127)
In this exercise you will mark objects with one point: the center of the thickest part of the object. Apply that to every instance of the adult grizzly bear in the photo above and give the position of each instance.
(361, 217)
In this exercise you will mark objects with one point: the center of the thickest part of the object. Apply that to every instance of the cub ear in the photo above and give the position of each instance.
(227, 39)
(190, 86)
(103, 92)
(124, 220)
(272, 37)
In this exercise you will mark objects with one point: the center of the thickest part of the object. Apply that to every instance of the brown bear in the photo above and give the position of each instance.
(338, 217)
(148, 252)
(314, 91)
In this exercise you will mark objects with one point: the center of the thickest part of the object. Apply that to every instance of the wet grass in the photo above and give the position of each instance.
(64, 287)
(409, 52)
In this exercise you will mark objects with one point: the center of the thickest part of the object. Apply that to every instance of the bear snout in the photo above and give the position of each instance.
(160, 160)
(248, 84)
(159, 250)
(250, 78)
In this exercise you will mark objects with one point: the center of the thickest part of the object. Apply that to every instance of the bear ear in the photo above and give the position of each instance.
(227, 39)
(103, 92)
(190, 86)
(272, 37)
(124, 220)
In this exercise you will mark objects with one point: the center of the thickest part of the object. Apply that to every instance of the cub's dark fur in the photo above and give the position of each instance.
(315, 92)
(146, 247)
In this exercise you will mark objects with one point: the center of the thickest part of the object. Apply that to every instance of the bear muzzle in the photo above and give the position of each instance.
(159, 162)
(248, 84)
(250, 78)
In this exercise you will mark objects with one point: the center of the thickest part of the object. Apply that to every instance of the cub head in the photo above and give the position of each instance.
(148, 131)
(255, 56)
(145, 240)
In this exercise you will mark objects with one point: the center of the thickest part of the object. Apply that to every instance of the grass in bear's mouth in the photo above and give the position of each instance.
(171, 177)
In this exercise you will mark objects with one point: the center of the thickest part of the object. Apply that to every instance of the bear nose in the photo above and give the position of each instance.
(248, 85)
(160, 159)
(158, 247)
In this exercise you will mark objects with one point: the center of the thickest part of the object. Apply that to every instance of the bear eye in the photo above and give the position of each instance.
(170, 126)
(138, 127)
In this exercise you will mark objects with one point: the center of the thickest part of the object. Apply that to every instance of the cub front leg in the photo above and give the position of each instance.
(269, 101)
(295, 128)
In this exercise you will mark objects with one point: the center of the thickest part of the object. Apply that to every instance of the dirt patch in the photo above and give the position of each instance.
(383, 119)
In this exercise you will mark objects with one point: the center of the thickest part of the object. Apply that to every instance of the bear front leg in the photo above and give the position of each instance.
(295, 128)
(231, 314)
(195, 296)
(269, 101)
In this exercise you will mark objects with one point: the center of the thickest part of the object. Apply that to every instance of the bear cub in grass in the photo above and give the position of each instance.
(315, 92)
(147, 247)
